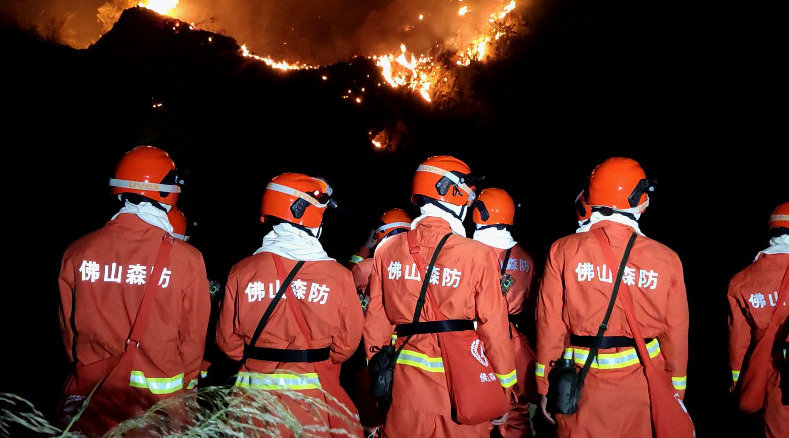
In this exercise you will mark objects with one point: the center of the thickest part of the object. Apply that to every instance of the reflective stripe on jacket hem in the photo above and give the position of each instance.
(422, 361)
(278, 381)
(508, 379)
(157, 385)
(539, 370)
(735, 375)
(680, 383)
(608, 361)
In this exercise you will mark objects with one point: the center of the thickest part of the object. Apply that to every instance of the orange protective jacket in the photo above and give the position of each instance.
(102, 282)
(753, 296)
(574, 295)
(327, 298)
(361, 275)
(466, 284)
(520, 266)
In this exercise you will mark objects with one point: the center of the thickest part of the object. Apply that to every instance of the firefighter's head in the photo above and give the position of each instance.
(444, 181)
(297, 199)
(178, 221)
(779, 220)
(146, 173)
(394, 221)
(619, 184)
(493, 208)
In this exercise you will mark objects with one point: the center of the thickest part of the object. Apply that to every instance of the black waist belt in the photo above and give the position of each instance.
(282, 355)
(449, 325)
(605, 341)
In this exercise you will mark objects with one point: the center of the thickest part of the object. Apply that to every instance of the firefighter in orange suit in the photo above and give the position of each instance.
(103, 278)
(394, 221)
(753, 297)
(465, 281)
(494, 214)
(574, 295)
(315, 326)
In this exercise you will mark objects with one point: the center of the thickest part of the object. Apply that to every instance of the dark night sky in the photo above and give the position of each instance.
(673, 86)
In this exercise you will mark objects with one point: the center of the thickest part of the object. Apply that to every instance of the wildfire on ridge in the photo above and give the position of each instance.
(163, 7)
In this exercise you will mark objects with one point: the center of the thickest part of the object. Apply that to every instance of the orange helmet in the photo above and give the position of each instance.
(619, 183)
(178, 221)
(436, 175)
(494, 207)
(147, 171)
(582, 210)
(297, 198)
(780, 217)
(393, 222)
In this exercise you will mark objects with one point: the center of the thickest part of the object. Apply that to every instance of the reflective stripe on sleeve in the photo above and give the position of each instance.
(203, 374)
(680, 383)
(355, 259)
(608, 361)
(192, 384)
(157, 385)
(735, 375)
(422, 361)
(278, 381)
(539, 370)
(508, 379)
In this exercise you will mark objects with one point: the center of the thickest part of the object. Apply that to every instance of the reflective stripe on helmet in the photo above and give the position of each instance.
(142, 185)
(278, 381)
(450, 176)
(779, 217)
(385, 227)
(293, 192)
(157, 385)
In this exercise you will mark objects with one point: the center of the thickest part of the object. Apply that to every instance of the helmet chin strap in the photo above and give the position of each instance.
(459, 215)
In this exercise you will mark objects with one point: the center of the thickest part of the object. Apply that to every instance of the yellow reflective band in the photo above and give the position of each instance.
(735, 375)
(203, 374)
(157, 385)
(609, 361)
(192, 384)
(508, 379)
(355, 259)
(422, 361)
(539, 370)
(278, 381)
(394, 338)
(680, 383)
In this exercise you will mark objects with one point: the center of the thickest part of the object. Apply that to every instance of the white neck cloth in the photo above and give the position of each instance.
(778, 245)
(430, 210)
(148, 213)
(293, 243)
(615, 217)
(494, 237)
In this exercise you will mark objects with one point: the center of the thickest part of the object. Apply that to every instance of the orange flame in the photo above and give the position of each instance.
(163, 7)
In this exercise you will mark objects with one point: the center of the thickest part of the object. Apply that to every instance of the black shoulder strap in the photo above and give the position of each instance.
(267, 314)
(420, 302)
(506, 261)
(604, 325)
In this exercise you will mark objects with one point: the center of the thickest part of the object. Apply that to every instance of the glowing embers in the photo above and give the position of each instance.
(279, 65)
(163, 7)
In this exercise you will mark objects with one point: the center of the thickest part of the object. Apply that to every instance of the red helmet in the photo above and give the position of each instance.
(780, 217)
(393, 220)
(494, 207)
(297, 198)
(147, 171)
(178, 221)
(443, 178)
(582, 210)
(619, 183)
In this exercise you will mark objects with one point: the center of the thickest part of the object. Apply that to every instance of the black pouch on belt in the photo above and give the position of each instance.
(564, 384)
